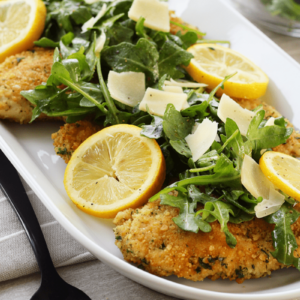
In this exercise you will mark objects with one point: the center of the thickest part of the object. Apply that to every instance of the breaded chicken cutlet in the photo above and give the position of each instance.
(70, 136)
(149, 238)
(23, 71)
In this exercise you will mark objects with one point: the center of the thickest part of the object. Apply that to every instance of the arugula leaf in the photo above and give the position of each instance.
(85, 73)
(154, 130)
(241, 217)
(197, 196)
(198, 111)
(140, 29)
(66, 11)
(266, 137)
(220, 85)
(47, 43)
(173, 187)
(284, 240)
(220, 211)
(46, 99)
(141, 57)
(236, 145)
(186, 219)
(196, 98)
(39, 93)
(188, 39)
(90, 55)
(225, 174)
(62, 75)
(170, 56)
(117, 34)
(77, 42)
(161, 82)
(181, 147)
(175, 126)
(168, 159)
(207, 159)
(113, 116)
(280, 122)
(120, 6)
(94, 91)
(241, 200)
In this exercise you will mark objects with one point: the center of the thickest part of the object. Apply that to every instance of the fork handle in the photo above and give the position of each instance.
(13, 189)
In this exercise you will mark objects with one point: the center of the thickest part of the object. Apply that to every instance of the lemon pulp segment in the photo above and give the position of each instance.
(21, 23)
(117, 166)
(13, 18)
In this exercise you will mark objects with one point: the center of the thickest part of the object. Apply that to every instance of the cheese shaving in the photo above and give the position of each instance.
(202, 138)
(228, 108)
(127, 87)
(157, 101)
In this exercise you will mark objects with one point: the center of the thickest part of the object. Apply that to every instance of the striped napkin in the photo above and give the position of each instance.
(17, 258)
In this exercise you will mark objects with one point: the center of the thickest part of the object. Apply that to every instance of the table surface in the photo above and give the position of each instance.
(98, 280)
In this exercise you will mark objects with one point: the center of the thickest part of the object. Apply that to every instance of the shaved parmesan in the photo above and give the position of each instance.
(228, 108)
(254, 180)
(269, 206)
(155, 12)
(259, 185)
(195, 127)
(184, 83)
(100, 42)
(173, 89)
(157, 101)
(92, 21)
(176, 89)
(127, 87)
(270, 122)
(203, 137)
(91, 1)
(185, 105)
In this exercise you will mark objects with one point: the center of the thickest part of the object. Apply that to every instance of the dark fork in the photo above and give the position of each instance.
(53, 287)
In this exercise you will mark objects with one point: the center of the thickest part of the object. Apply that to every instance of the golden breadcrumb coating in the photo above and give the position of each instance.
(149, 238)
(23, 71)
(70, 136)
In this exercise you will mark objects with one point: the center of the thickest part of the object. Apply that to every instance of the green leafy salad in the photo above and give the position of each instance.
(207, 188)
(288, 9)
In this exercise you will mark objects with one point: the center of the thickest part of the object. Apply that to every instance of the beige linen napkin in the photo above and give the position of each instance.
(16, 255)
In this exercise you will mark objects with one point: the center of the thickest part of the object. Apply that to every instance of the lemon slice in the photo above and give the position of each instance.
(114, 169)
(283, 171)
(21, 23)
(211, 63)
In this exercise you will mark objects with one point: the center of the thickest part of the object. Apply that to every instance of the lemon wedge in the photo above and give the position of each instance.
(283, 171)
(21, 23)
(211, 63)
(114, 169)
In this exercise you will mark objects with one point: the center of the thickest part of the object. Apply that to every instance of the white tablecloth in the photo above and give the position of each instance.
(17, 258)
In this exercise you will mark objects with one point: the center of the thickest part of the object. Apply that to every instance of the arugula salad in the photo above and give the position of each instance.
(205, 189)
